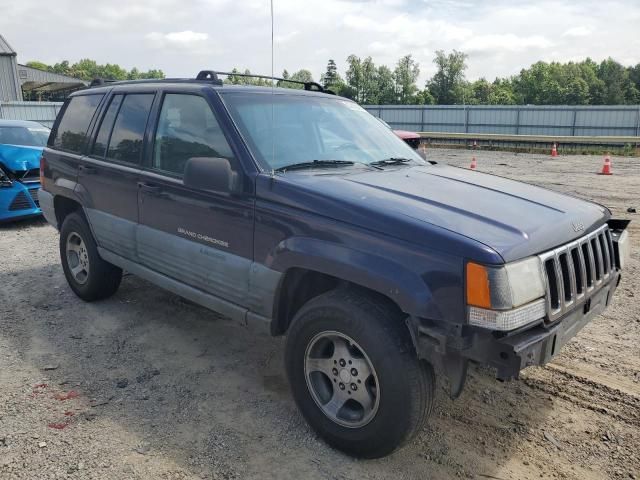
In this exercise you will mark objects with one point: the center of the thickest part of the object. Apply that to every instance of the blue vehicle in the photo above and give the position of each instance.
(21, 145)
(298, 211)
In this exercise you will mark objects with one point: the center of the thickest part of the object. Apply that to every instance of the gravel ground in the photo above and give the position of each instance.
(147, 385)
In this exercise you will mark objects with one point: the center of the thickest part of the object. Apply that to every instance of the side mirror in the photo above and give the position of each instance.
(210, 173)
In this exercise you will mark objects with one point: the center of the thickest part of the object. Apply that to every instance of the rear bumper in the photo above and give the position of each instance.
(48, 209)
(18, 201)
(452, 348)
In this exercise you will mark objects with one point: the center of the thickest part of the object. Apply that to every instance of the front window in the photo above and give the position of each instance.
(283, 130)
(27, 136)
(187, 128)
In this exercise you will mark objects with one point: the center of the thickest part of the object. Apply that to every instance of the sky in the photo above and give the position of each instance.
(182, 37)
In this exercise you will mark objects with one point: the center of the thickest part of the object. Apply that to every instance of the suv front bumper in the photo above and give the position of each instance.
(450, 349)
(537, 345)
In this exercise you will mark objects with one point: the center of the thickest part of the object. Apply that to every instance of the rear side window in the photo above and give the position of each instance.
(71, 133)
(102, 139)
(187, 128)
(125, 144)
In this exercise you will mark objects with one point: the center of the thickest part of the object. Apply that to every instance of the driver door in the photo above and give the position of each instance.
(201, 238)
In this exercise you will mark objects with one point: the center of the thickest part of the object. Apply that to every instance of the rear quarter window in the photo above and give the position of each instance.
(71, 132)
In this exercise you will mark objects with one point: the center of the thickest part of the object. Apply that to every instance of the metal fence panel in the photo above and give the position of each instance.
(607, 120)
(595, 120)
(42, 112)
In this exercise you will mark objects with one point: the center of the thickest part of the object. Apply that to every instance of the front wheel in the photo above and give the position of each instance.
(354, 373)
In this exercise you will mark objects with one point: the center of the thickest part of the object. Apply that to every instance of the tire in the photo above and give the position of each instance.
(88, 275)
(395, 399)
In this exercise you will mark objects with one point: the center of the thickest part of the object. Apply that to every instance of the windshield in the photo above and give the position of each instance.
(27, 136)
(283, 130)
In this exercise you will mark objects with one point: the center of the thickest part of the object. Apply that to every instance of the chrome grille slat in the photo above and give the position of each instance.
(592, 264)
(612, 255)
(598, 259)
(589, 264)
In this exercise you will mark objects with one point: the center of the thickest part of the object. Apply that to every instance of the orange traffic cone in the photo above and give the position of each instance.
(606, 166)
(554, 150)
(474, 164)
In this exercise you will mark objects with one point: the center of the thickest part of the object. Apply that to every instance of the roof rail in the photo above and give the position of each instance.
(311, 86)
(100, 82)
(96, 82)
(209, 76)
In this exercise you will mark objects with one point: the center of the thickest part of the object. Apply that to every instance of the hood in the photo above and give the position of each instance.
(511, 218)
(19, 158)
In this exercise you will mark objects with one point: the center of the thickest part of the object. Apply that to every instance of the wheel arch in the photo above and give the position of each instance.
(314, 267)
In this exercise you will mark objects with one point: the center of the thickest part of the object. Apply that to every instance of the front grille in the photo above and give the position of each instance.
(20, 202)
(575, 270)
(34, 196)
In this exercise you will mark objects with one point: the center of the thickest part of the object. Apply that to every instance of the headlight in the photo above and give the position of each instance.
(507, 297)
(5, 181)
(624, 249)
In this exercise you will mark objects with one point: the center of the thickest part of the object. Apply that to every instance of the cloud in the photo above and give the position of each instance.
(287, 37)
(500, 36)
(577, 32)
(509, 42)
(183, 39)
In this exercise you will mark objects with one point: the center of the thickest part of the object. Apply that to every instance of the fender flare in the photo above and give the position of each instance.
(380, 274)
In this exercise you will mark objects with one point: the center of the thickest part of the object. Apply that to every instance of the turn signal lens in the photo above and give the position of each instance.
(43, 165)
(478, 293)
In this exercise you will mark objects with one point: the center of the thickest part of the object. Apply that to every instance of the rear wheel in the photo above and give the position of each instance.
(88, 275)
(354, 373)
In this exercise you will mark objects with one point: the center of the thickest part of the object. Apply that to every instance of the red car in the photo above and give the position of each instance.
(411, 138)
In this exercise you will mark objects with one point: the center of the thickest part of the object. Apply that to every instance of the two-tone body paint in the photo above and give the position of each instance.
(405, 232)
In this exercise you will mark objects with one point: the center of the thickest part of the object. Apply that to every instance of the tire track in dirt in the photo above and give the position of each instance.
(587, 393)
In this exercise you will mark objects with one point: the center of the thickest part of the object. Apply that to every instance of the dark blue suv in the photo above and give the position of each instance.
(298, 211)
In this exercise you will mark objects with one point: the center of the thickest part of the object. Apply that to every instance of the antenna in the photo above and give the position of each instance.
(273, 86)
(272, 69)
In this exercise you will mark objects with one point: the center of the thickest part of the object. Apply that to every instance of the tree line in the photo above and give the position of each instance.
(87, 69)
(573, 83)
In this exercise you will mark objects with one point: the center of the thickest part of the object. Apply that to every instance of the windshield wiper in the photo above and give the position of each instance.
(392, 161)
(314, 164)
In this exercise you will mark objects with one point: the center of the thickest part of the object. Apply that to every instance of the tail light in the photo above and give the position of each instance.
(43, 165)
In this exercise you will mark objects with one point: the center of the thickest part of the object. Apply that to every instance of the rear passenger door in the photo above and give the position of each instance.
(201, 238)
(109, 173)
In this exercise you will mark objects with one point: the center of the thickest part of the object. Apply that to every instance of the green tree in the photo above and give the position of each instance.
(424, 97)
(619, 88)
(87, 69)
(361, 78)
(299, 76)
(406, 75)
(385, 86)
(38, 65)
(634, 76)
(331, 78)
(447, 85)
(502, 93)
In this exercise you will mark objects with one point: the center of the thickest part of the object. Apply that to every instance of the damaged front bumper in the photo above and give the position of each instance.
(450, 349)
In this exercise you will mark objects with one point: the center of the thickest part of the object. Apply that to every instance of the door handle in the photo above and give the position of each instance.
(151, 189)
(88, 170)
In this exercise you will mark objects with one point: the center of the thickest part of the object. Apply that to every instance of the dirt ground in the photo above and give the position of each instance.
(146, 385)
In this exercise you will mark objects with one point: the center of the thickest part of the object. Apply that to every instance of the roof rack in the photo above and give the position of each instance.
(98, 82)
(311, 86)
(208, 76)
(101, 82)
